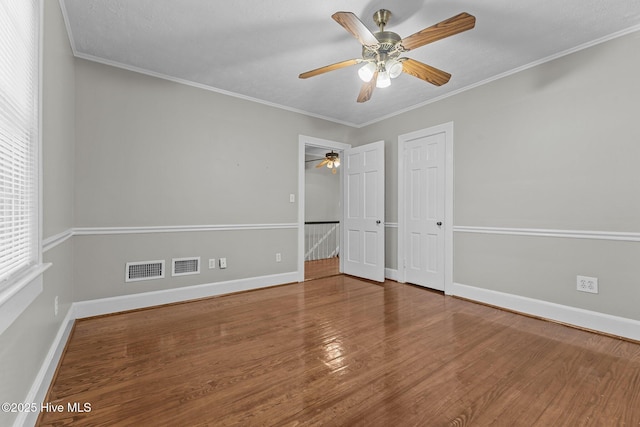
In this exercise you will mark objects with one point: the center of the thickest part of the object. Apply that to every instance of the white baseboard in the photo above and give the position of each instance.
(40, 386)
(110, 305)
(391, 274)
(601, 322)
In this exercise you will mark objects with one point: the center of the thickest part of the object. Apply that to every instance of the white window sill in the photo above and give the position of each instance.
(16, 298)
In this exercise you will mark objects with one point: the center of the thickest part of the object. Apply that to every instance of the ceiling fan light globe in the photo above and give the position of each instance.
(394, 68)
(336, 162)
(383, 80)
(330, 165)
(366, 72)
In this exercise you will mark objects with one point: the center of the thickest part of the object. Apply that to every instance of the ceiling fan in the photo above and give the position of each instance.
(381, 51)
(331, 160)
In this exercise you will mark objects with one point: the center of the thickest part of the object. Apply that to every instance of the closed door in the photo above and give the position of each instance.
(423, 226)
(363, 230)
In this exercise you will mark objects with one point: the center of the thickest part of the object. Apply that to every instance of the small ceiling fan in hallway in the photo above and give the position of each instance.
(331, 160)
(382, 51)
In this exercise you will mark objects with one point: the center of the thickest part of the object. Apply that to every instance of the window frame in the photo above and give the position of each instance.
(20, 291)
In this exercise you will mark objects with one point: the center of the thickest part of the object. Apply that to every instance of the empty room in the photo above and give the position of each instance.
(416, 213)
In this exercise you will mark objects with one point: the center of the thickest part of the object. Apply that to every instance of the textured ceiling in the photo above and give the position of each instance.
(256, 49)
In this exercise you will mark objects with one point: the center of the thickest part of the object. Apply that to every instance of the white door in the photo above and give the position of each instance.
(363, 253)
(423, 237)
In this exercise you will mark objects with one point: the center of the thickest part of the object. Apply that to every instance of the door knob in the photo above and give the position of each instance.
(378, 222)
(439, 223)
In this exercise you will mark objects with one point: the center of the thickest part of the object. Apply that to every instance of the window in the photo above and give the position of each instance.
(20, 252)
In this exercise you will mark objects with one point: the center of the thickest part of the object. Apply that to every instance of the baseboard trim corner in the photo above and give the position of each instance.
(391, 274)
(40, 386)
(592, 320)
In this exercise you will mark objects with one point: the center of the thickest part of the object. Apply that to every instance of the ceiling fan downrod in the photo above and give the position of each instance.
(381, 18)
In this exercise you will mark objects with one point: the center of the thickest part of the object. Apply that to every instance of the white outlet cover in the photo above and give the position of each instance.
(587, 284)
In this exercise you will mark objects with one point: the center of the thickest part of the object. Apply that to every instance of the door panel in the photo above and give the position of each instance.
(371, 209)
(353, 191)
(364, 211)
(371, 248)
(353, 246)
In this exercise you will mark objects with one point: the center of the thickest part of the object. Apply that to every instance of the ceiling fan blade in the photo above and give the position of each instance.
(367, 89)
(425, 72)
(351, 23)
(448, 27)
(328, 68)
(322, 163)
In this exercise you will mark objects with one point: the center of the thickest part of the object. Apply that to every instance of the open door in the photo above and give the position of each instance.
(363, 230)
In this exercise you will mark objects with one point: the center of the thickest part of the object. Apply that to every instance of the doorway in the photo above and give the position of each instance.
(323, 211)
(425, 207)
(362, 183)
(333, 265)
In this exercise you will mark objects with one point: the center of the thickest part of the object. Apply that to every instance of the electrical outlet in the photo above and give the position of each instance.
(55, 306)
(222, 262)
(278, 257)
(212, 263)
(587, 284)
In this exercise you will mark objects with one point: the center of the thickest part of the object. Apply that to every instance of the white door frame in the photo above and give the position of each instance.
(447, 128)
(303, 142)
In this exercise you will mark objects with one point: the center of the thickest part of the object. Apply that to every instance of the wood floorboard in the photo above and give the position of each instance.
(321, 268)
(342, 351)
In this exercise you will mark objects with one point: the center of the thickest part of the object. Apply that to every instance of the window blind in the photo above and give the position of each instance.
(19, 122)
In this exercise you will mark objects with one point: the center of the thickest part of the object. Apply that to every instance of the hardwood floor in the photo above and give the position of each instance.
(321, 268)
(341, 351)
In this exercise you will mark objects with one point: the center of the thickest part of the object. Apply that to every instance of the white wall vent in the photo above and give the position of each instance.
(185, 266)
(144, 270)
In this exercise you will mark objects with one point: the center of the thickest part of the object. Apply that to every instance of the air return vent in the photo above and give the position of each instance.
(185, 266)
(144, 270)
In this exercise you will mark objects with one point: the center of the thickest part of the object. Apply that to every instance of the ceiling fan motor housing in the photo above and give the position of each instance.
(388, 47)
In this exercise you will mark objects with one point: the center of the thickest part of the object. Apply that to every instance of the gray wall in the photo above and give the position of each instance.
(322, 194)
(552, 147)
(151, 152)
(24, 345)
